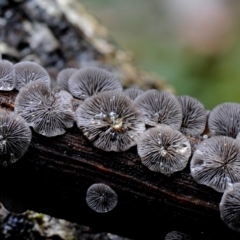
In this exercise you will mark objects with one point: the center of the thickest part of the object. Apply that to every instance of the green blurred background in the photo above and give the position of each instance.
(193, 44)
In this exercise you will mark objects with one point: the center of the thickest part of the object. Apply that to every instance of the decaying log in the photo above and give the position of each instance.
(55, 173)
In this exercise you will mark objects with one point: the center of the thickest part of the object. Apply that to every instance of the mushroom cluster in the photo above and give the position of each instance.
(160, 124)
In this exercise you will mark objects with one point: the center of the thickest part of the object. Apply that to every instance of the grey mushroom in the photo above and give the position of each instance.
(63, 77)
(7, 79)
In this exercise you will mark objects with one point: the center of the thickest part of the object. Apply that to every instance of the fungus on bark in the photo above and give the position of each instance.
(111, 121)
(224, 120)
(194, 116)
(13, 205)
(216, 162)
(63, 77)
(7, 79)
(15, 137)
(90, 81)
(48, 111)
(175, 235)
(101, 198)
(133, 92)
(160, 108)
(163, 149)
(26, 72)
(230, 206)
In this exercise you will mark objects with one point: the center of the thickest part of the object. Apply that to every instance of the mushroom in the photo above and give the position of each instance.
(111, 121)
(101, 198)
(7, 80)
(224, 120)
(26, 72)
(159, 108)
(15, 137)
(63, 77)
(133, 92)
(230, 207)
(48, 111)
(216, 162)
(175, 235)
(163, 149)
(194, 116)
(90, 81)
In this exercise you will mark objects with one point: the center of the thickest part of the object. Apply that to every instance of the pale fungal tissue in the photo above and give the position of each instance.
(101, 198)
(90, 81)
(216, 162)
(194, 116)
(26, 72)
(7, 78)
(63, 77)
(159, 107)
(48, 111)
(175, 235)
(15, 137)
(163, 149)
(133, 92)
(111, 121)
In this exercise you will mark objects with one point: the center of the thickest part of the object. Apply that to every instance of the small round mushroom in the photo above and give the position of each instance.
(111, 121)
(90, 81)
(224, 120)
(7, 80)
(13, 205)
(230, 207)
(133, 92)
(63, 77)
(163, 149)
(26, 72)
(15, 137)
(160, 108)
(216, 162)
(48, 111)
(194, 116)
(101, 198)
(175, 235)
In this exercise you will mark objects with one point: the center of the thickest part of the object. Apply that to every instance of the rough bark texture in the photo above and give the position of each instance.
(55, 173)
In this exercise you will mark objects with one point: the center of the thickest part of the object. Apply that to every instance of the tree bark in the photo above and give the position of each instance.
(55, 173)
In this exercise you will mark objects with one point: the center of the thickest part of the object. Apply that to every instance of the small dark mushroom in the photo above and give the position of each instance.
(7, 80)
(216, 162)
(90, 81)
(224, 120)
(101, 198)
(48, 111)
(63, 77)
(133, 92)
(194, 116)
(15, 137)
(160, 108)
(26, 72)
(175, 235)
(164, 150)
(111, 121)
(230, 207)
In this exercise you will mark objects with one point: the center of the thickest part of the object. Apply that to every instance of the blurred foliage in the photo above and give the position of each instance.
(143, 27)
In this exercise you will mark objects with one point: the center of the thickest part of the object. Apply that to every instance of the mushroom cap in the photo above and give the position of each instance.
(90, 81)
(133, 92)
(63, 77)
(160, 108)
(175, 235)
(26, 72)
(194, 116)
(163, 149)
(15, 137)
(7, 79)
(230, 207)
(224, 120)
(216, 162)
(49, 112)
(101, 198)
(111, 121)
(13, 205)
